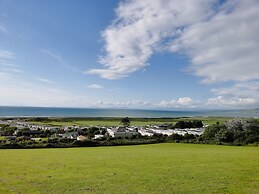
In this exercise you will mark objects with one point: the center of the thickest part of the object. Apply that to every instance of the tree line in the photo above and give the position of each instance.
(236, 131)
(233, 132)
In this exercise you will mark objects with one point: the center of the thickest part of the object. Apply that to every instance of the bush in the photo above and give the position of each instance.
(212, 130)
(224, 136)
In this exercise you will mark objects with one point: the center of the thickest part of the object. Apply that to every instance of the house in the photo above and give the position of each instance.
(133, 129)
(53, 129)
(65, 128)
(70, 135)
(98, 136)
(145, 132)
(36, 139)
(81, 138)
(120, 132)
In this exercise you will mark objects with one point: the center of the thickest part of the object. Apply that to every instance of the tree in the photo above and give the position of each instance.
(212, 130)
(8, 130)
(125, 122)
(180, 124)
(188, 124)
(197, 124)
(237, 125)
(224, 136)
(176, 137)
(92, 131)
(244, 130)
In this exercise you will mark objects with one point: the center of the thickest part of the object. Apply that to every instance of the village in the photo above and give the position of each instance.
(37, 132)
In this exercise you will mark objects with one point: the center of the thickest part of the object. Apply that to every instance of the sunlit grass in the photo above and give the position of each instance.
(159, 168)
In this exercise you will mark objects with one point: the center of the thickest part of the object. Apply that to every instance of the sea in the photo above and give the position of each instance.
(11, 111)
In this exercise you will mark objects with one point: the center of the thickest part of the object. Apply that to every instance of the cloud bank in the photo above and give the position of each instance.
(220, 39)
(242, 94)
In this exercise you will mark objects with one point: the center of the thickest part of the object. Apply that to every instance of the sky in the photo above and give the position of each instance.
(145, 54)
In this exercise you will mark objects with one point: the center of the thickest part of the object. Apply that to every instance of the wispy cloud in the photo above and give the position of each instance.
(17, 91)
(47, 81)
(6, 54)
(3, 28)
(55, 55)
(12, 70)
(95, 86)
(6, 65)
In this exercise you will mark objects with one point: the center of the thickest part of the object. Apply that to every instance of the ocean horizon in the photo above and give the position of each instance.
(16, 111)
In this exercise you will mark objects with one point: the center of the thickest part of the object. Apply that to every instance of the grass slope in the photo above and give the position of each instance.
(159, 168)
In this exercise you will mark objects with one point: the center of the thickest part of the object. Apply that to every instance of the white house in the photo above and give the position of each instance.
(120, 132)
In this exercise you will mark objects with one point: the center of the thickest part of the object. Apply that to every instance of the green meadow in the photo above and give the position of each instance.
(157, 168)
(101, 121)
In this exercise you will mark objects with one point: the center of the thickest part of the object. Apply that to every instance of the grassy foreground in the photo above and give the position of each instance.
(159, 168)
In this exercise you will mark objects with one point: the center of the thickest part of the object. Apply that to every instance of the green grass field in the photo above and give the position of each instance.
(158, 168)
(134, 121)
(98, 123)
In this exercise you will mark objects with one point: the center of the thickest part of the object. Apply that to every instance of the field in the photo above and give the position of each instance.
(158, 168)
(134, 121)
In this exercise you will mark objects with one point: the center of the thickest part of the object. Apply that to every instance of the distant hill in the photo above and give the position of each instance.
(256, 110)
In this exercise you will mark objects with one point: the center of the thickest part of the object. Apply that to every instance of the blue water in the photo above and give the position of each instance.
(6, 111)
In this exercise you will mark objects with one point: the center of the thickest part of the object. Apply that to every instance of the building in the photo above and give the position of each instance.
(120, 132)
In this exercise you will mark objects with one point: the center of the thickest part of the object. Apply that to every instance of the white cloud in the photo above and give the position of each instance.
(241, 94)
(220, 39)
(181, 103)
(231, 102)
(240, 89)
(140, 28)
(184, 102)
(224, 47)
(95, 86)
(126, 104)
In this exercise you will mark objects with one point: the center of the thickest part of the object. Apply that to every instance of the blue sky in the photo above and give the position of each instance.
(166, 54)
